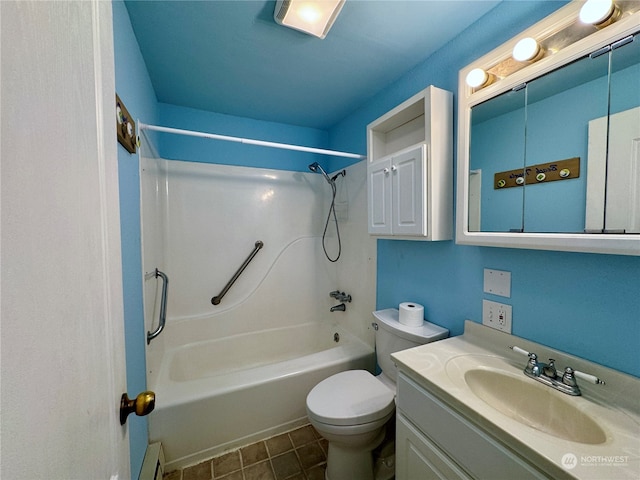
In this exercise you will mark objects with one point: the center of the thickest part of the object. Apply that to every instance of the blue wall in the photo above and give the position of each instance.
(134, 88)
(584, 304)
(231, 153)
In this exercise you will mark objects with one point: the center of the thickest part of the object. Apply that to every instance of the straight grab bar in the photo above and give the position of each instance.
(218, 298)
(163, 307)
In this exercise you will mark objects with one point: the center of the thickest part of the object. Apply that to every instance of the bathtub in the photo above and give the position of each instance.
(220, 394)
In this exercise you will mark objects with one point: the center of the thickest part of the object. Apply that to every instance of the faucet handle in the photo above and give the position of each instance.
(588, 377)
(533, 368)
(569, 377)
(519, 350)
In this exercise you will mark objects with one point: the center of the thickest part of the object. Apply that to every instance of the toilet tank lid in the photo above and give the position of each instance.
(427, 332)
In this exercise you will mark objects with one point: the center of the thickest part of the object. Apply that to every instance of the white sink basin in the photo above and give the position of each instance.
(508, 391)
(535, 405)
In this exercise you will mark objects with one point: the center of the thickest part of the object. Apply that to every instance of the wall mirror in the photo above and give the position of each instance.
(549, 139)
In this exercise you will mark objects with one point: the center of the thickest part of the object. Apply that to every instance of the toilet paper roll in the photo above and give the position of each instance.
(411, 314)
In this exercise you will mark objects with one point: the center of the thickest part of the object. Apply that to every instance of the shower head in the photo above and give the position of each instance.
(316, 168)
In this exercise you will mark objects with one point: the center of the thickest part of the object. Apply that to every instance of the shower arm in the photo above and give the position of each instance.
(163, 307)
(218, 298)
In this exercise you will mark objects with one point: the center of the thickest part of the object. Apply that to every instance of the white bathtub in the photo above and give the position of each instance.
(216, 395)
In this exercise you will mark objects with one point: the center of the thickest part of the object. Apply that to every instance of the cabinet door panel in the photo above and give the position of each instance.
(408, 192)
(418, 458)
(379, 190)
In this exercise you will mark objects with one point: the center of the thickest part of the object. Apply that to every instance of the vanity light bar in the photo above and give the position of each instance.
(593, 16)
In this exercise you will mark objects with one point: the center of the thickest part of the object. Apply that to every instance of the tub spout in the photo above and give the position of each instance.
(340, 307)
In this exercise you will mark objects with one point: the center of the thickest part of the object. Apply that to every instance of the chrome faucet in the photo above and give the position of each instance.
(546, 373)
(340, 296)
(340, 307)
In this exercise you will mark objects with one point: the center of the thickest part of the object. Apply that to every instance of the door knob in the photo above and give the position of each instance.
(142, 405)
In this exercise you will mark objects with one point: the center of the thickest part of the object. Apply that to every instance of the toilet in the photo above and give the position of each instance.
(350, 409)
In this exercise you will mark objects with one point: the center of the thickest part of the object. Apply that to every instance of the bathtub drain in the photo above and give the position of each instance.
(336, 337)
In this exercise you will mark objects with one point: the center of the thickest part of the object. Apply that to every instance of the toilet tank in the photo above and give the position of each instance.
(392, 336)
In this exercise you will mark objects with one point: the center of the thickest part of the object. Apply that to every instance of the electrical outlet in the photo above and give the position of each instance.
(496, 315)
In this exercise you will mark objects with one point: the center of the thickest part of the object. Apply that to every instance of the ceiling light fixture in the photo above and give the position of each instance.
(599, 12)
(527, 50)
(314, 17)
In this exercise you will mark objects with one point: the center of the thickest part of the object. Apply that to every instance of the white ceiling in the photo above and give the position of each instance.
(232, 57)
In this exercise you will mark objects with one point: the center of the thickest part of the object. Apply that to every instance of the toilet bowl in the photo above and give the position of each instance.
(350, 409)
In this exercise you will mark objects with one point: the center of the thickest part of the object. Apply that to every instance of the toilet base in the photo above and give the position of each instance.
(344, 463)
(384, 459)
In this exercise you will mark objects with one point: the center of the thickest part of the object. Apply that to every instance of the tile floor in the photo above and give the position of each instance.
(299, 454)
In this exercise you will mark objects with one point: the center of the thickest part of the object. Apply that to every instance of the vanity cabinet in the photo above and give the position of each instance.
(410, 169)
(433, 441)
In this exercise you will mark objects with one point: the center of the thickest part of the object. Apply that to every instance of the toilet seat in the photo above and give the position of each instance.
(353, 397)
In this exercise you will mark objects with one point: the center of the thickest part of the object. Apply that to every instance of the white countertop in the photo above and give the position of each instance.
(615, 407)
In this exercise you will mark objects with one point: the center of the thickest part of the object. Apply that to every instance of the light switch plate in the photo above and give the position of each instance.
(496, 315)
(497, 282)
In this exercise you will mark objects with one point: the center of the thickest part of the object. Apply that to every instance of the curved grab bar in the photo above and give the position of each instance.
(218, 298)
(163, 307)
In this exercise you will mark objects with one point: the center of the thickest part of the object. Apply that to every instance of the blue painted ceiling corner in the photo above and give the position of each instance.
(232, 57)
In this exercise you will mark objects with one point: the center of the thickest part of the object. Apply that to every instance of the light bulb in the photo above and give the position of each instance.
(477, 78)
(596, 12)
(526, 49)
(309, 13)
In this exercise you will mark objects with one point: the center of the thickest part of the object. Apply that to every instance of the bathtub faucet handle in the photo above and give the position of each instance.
(340, 296)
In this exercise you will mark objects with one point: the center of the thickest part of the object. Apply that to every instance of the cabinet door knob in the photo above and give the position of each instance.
(385, 171)
(394, 168)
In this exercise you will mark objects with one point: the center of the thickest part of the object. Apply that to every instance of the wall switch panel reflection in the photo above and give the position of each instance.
(497, 282)
(496, 315)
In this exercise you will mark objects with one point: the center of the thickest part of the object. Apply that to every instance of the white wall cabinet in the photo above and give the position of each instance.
(396, 189)
(410, 169)
(433, 441)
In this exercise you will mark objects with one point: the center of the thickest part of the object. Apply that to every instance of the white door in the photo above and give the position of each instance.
(408, 170)
(613, 190)
(379, 192)
(62, 321)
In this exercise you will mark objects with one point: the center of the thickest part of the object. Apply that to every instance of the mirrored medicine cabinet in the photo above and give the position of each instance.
(549, 147)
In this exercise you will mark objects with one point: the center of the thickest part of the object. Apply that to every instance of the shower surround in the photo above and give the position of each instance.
(229, 374)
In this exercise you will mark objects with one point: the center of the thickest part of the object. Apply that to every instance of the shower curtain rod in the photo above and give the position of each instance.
(286, 146)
